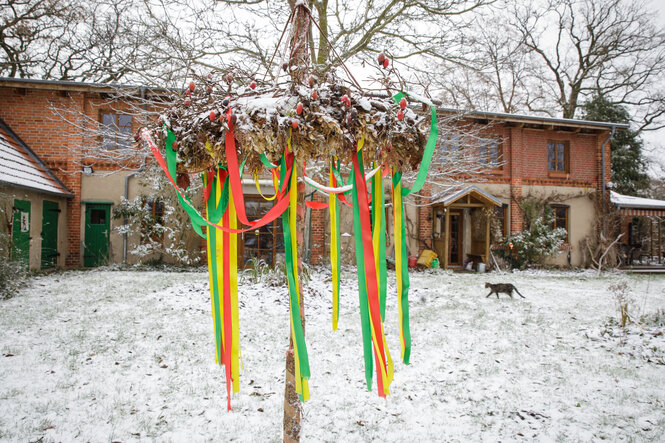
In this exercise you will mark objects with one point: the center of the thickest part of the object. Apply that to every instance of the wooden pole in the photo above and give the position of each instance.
(292, 404)
(446, 239)
(298, 62)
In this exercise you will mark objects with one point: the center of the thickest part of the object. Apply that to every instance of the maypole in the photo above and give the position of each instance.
(277, 127)
(297, 64)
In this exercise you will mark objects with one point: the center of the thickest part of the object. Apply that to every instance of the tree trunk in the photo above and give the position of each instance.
(298, 63)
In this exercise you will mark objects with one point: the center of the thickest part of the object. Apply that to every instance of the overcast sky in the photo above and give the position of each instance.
(654, 144)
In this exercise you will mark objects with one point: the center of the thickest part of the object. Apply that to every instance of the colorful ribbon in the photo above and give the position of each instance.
(223, 276)
(379, 239)
(302, 371)
(223, 194)
(195, 216)
(370, 311)
(401, 267)
(334, 245)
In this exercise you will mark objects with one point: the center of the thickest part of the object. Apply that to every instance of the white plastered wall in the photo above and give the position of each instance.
(36, 200)
(581, 216)
(102, 187)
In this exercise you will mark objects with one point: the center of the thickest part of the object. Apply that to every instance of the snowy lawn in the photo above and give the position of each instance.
(127, 356)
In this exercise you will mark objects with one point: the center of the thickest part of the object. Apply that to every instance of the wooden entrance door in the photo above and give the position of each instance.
(21, 232)
(50, 213)
(97, 234)
(438, 233)
(455, 240)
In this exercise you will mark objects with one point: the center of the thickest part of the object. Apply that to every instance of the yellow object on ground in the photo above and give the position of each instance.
(427, 257)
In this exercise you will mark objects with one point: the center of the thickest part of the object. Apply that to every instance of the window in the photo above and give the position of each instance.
(116, 130)
(97, 217)
(152, 225)
(501, 214)
(557, 156)
(450, 143)
(560, 218)
(265, 243)
(490, 154)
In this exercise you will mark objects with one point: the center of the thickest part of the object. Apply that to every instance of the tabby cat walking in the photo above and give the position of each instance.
(506, 288)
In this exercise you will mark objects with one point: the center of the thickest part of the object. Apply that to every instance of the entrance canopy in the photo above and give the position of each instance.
(638, 206)
(454, 195)
(461, 225)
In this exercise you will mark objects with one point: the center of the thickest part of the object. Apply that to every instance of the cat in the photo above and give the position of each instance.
(506, 288)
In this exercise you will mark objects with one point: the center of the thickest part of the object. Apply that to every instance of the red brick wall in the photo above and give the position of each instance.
(319, 229)
(425, 220)
(28, 111)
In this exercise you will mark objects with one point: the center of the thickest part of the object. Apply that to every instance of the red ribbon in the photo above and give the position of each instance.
(271, 215)
(316, 205)
(370, 271)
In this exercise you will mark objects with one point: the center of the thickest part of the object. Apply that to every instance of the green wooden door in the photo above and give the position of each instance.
(50, 214)
(97, 231)
(21, 232)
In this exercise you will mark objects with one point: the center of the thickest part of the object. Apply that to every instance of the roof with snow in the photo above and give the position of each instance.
(452, 195)
(627, 201)
(20, 167)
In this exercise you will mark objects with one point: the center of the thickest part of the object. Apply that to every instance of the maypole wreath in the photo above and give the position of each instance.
(220, 132)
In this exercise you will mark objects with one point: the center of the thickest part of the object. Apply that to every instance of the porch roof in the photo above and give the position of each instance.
(450, 196)
(20, 167)
(638, 206)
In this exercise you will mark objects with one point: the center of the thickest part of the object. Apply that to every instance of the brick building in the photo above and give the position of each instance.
(60, 122)
(562, 161)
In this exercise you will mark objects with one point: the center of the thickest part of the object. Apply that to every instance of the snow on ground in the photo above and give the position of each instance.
(126, 356)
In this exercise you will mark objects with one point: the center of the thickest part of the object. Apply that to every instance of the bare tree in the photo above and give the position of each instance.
(97, 41)
(550, 56)
(611, 46)
(495, 75)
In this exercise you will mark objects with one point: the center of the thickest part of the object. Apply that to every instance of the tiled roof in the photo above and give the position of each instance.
(21, 167)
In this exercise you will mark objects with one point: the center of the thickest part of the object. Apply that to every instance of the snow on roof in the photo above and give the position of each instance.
(627, 201)
(20, 167)
(454, 194)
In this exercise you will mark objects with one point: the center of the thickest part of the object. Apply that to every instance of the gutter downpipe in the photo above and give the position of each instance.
(604, 187)
(127, 178)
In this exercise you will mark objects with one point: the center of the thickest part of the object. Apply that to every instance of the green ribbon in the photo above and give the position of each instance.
(212, 239)
(197, 220)
(171, 163)
(267, 163)
(430, 147)
(293, 296)
(362, 284)
(396, 179)
(216, 211)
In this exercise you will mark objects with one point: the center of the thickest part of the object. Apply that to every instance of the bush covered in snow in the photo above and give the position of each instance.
(535, 243)
(156, 220)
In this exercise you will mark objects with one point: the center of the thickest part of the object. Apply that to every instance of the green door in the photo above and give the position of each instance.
(21, 232)
(97, 231)
(50, 214)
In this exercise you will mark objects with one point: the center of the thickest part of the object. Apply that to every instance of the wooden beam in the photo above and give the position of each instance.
(660, 239)
(487, 243)
(446, 239)
(467, 205)
(650, 238)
